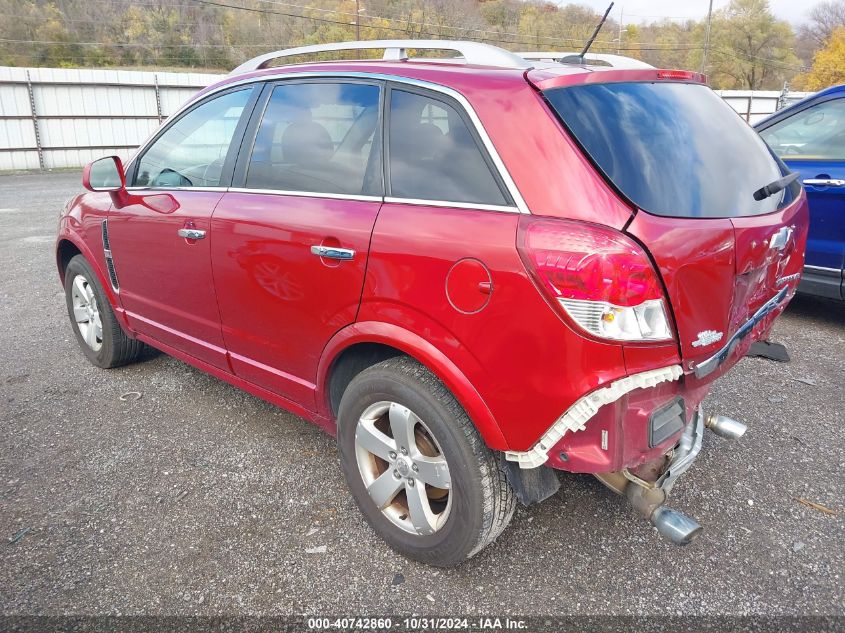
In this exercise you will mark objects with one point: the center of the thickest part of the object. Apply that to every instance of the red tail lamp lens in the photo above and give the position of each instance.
(575, 260)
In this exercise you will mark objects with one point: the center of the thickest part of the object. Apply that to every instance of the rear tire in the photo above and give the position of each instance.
(469, 502)
(97, 331)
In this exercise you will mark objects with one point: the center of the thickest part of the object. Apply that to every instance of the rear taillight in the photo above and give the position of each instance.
(600, 278)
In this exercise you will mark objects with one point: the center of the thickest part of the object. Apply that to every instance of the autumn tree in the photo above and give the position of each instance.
(750, 48)
(828, 64)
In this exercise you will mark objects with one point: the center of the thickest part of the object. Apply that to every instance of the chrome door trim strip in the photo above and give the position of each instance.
(821, 269)
(166, 189)
(510, 185)
(446, 203)
(309, 194)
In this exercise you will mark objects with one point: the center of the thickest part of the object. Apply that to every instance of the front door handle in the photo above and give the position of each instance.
(191, 234)
(332, 252)
(825, 182)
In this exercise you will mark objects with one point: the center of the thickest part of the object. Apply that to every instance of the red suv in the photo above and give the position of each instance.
(472, 271)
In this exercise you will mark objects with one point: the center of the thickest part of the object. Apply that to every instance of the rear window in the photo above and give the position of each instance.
(672, 149)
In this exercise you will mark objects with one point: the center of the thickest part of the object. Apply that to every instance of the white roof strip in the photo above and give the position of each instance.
(397, 50)
(577, 416)
(613, 61)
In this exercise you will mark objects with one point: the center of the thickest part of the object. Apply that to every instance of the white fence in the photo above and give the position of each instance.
(755, 105)
(55, 117)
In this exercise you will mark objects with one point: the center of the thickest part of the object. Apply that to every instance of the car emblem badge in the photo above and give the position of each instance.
(707, 337)
(780, 238)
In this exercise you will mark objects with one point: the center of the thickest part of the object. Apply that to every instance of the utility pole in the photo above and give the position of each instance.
(707, 38)
(358, 20)
(621, 22)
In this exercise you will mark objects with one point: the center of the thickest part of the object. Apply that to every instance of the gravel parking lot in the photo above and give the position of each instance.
(200, 499)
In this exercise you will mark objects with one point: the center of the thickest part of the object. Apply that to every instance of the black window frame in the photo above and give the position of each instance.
(247, 145)
(470, 125)
(232, 153)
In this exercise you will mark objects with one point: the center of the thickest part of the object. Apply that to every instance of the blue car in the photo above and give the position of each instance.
(809, 136)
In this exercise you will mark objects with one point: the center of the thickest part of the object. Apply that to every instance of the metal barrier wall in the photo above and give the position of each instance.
(754, 105)
(58, 117)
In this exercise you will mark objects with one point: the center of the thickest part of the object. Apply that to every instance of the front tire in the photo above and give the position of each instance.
(417, 467)
(97, 331)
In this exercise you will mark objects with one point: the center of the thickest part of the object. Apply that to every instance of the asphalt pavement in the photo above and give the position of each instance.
(196, 498)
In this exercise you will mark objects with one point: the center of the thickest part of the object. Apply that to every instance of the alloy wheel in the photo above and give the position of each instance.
(86, 313)
(403, 468)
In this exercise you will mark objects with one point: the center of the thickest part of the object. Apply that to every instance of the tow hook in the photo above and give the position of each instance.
(726, 427)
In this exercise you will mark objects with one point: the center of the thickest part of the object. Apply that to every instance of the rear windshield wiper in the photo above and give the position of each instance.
(774, 187)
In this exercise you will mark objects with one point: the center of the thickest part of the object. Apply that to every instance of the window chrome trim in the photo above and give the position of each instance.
(308, 194)
(499, 164)
(166, 189)
(446, 203)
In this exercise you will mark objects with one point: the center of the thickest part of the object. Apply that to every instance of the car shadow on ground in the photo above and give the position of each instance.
(822, 311)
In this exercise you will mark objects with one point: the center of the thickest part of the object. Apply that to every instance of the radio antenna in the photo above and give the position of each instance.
(595, 33)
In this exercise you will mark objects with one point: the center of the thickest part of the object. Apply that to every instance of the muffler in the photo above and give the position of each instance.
(726, 427)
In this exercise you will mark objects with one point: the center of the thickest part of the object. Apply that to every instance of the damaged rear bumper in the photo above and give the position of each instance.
(576, 417)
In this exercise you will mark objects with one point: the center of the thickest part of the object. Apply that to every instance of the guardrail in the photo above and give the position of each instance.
(58, 117)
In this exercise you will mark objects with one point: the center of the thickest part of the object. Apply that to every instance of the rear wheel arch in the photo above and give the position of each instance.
(364, 344)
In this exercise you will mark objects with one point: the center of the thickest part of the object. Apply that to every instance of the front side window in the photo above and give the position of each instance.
(434, 156)
(320, 138)
(192, 151)
(817, 133)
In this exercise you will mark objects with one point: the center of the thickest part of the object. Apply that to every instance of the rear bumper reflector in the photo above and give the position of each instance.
(666, 421)
(577, 416)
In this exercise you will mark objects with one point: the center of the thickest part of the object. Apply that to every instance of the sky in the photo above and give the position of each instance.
(650, 10)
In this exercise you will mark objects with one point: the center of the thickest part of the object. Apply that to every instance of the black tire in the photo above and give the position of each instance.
(115, 347)
(482, 501)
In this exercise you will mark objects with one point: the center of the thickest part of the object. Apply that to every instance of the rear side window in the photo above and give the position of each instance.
(434, 156)
(817, 133)
(319, 138)
(672, 149)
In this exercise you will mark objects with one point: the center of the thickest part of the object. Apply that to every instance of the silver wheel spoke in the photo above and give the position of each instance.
(98, 326)
(373, 440)
(384, 489)
(433, 470)
(402, 423)
(88, 335)
(80, 313)
(419, 508)
(79, 286)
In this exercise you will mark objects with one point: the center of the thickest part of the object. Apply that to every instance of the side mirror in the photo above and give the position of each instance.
(105, 174)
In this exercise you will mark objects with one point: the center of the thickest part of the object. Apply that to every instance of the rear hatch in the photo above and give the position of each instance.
(691, 167)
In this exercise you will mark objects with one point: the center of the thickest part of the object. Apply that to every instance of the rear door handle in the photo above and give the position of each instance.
(191, 234)
(332, 252)
(824, 182)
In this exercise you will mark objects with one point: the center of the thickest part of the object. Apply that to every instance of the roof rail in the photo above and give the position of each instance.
(613, 61)
(397, 50)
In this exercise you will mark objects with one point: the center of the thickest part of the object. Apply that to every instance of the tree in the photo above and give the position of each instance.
(750, 48)
(828, 64)
(823, 19)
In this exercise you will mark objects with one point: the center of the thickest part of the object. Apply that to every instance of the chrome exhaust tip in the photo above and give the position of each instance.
(726, 427)
(676, 526)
